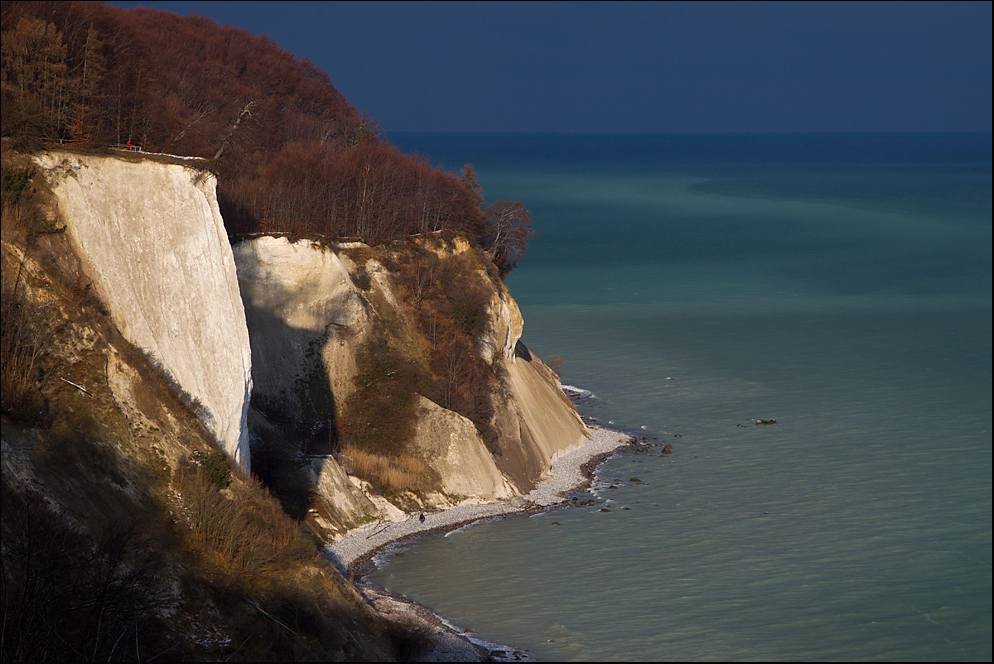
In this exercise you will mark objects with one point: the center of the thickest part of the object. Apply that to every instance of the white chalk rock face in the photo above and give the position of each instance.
(554, 426)
(152, 239)
(455, 450)
(504, 326)
(303, 312)
(344, 501)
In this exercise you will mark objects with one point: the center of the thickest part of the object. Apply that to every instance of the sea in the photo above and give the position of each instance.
(693, 284)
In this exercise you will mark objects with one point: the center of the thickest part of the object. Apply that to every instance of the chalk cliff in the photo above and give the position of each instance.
(307, 317)
(151, 238)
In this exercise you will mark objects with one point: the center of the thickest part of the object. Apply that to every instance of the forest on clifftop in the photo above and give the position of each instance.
(292, 155)
(126, 532)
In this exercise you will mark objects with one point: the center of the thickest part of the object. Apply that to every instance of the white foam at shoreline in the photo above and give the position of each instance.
(579, 391)
(564, 475)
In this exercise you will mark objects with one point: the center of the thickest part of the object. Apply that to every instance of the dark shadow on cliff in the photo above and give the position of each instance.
(208, 585)
(118, 556)
(303, 409)
(289, 419)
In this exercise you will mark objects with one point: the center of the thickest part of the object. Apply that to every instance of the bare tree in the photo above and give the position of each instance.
(423, 276)
(246, 111)
(508, 229)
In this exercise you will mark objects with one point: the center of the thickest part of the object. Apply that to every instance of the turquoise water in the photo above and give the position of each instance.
(839, 284)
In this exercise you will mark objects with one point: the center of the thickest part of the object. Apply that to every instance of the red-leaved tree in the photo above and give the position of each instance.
(292, 155)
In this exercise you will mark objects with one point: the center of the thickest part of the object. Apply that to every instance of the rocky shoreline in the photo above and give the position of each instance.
(353, 554)
(568, 472)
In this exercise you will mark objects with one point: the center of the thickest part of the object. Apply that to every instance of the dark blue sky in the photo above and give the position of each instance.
(641, 67)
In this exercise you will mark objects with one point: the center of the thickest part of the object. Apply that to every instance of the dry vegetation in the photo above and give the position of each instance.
(21, 340)
(293, 156)
(389, 473)
(206, 562)
(430, 348)
(126, 534)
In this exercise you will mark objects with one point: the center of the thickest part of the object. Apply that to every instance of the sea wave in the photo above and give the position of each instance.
(579, 391)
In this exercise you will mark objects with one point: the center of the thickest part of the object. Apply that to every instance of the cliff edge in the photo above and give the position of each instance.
(151, 238)
(487, 416)
(372, 379)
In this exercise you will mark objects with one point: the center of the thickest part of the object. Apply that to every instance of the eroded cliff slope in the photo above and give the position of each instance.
(395, 371)
(315, 312)
(122, 520)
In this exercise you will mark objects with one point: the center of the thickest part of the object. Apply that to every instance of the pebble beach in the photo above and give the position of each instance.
(565, 475)
(448, 643)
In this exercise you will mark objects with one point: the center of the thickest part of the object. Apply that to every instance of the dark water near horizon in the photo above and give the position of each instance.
(840, 284)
